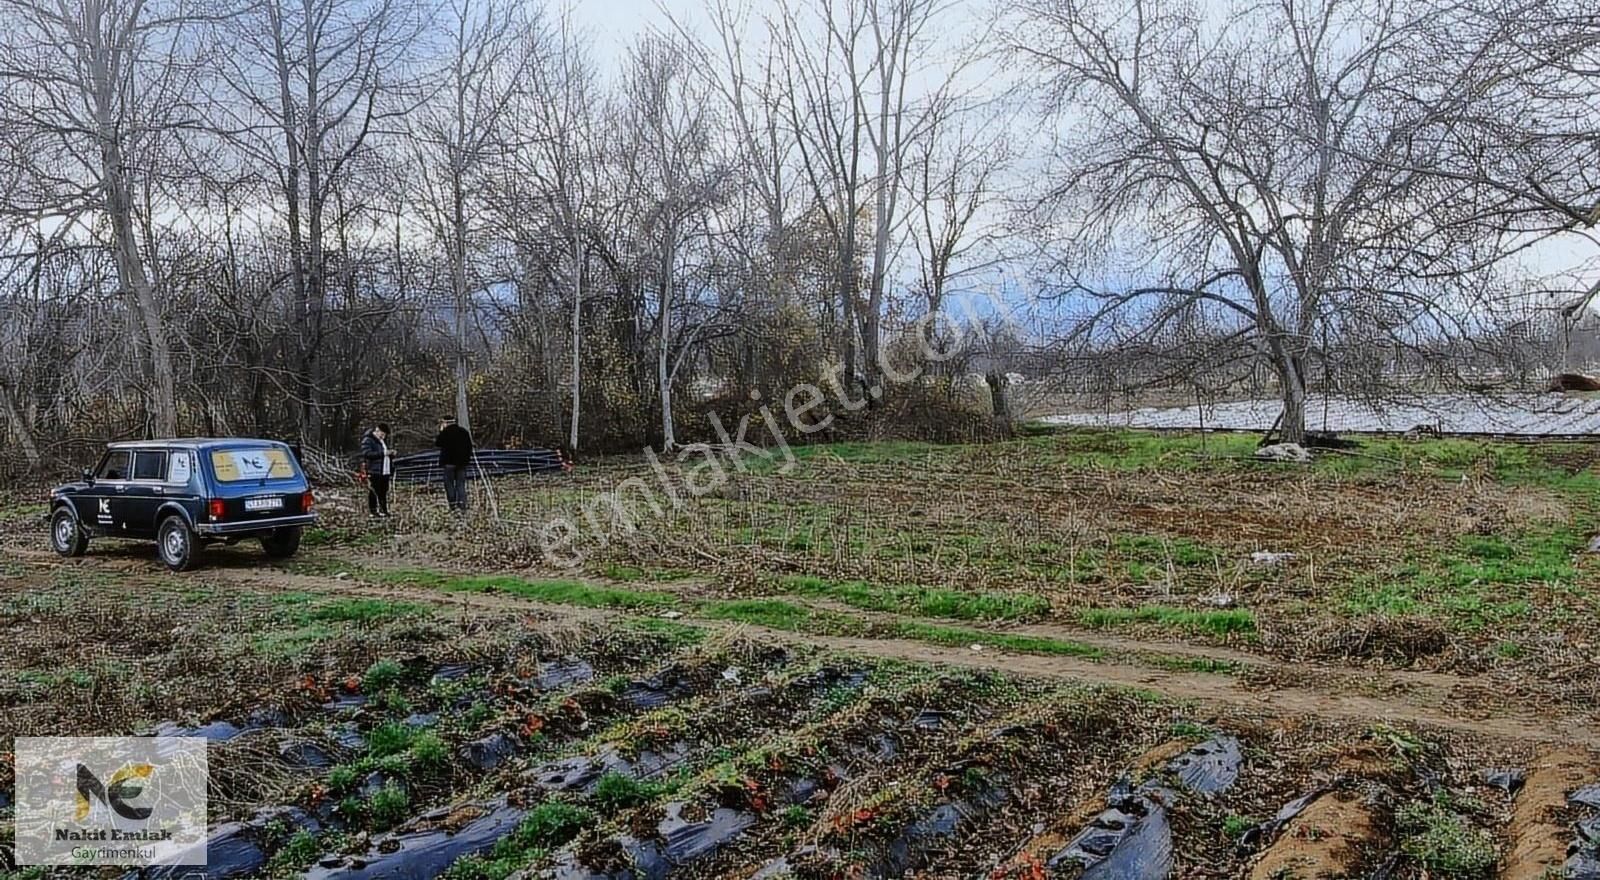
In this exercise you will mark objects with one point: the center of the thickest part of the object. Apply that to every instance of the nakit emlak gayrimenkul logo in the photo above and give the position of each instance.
(125, 785)
(111, 801)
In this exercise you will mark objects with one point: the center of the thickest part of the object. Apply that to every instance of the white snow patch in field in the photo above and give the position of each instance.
(1523, 414)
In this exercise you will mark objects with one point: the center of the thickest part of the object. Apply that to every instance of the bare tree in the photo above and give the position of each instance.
(557, 153)
(1538, 149)
(952, 180)
(458, 136)
(311, 78)
(98, 88)
(847, 90)
(1267, 162)
(668, 113)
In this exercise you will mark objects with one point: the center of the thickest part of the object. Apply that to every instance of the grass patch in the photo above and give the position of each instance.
(1217, 623)
(955, 636)
(297, 853)
(673, 634)
(1234, 826)
(777, 614)
(619, 791)
(1181, 552)
(925, 601)
(1442, 841)
(388, 806)
(55, 678)
(381, 676)
(1180, 663)
(1479, 582)
(618, 572)
(290, 644)
(390, 738)
(366, 610)
(554, 592)
(393, 749)
(428, 752)
(322, 536)
(546, 827)
(879, 452)
(1510, 650)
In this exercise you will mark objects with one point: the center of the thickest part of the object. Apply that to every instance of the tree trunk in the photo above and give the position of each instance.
(577, 340)
(19, 428)
(547, 355)
(999, 386)
(669, 439)
(458, 280)
(1292, 381)
(130, 270)
(316, 295)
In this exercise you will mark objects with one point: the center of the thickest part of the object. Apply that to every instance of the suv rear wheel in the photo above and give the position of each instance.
(282, 543)
(66, 535)
(175, 543)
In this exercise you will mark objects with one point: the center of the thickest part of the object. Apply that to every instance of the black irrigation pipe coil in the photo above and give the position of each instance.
(423, 467)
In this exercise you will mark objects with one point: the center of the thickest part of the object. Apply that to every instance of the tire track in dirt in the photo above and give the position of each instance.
(1427, 704)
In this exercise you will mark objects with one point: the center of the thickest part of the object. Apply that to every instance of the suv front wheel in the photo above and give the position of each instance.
(281, 543)
(175, 543)
(66, 535)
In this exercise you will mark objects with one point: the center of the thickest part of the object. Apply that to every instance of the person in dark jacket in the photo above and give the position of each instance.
(378, 459)
(455, 456)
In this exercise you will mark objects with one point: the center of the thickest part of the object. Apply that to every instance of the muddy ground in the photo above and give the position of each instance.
(1087, 655)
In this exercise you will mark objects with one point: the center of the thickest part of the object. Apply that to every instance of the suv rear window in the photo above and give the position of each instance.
(252, 463)
(182, 467)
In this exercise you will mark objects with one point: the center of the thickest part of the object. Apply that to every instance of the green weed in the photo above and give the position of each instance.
(1444, 842)
(777, 614)
(1016, 642)
(554, 592)
(925, 601)
(381, 676)
(619, 791)
(1181, 663)
(1217, 623)
(388, 806)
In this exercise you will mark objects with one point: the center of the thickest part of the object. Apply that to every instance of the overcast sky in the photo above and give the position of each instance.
(613, 24)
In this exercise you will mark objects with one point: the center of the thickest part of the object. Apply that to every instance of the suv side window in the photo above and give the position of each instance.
(149, 465)
(114, 466)
(181, 468)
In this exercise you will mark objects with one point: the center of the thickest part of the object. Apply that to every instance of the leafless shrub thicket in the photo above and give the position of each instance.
(290, 218)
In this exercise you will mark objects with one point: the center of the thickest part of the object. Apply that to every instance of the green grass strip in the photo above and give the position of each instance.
(1218, 623)
(926, 601)
(1180, 663)
(957, 636)
(777, 614)
(554, 592)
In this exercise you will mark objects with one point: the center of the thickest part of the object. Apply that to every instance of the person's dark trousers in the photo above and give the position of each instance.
(455, 486)
(378, 494)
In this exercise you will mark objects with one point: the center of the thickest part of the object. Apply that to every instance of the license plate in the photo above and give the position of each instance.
(263, 503)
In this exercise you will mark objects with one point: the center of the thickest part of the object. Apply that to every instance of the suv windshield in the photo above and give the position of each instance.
(252, 463)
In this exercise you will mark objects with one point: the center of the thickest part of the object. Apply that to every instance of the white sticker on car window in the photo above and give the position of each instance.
(181, 468)
(233, 465)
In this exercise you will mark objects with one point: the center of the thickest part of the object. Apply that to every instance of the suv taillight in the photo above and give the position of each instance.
(215, 508)
(306, 500)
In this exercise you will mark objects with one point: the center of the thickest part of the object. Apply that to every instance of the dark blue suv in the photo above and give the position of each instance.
(185, 494)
